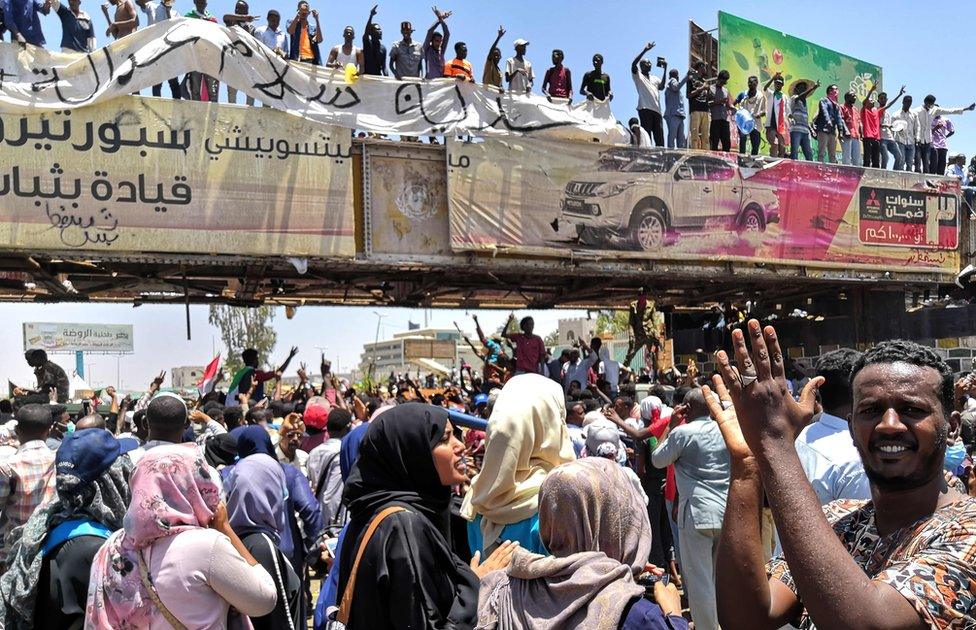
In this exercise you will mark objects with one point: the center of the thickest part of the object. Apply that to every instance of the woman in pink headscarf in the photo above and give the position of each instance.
(176, 563)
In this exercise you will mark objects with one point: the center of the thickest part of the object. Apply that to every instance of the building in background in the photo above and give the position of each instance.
(186, 377)
(429, 350)
(576, 328)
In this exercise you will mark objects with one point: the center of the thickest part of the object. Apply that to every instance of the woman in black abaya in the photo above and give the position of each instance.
(408, 576)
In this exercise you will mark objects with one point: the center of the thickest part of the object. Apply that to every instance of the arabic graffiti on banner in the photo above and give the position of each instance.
(151, 175)
(533, 196)
(33, 79)
(60, 337)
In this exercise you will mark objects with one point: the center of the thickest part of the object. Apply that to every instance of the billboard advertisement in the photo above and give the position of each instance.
(141, 175)
(746, 48)
(535, 197)
(59, 337)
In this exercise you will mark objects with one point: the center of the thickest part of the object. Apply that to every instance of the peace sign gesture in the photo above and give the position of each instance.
(757, 386)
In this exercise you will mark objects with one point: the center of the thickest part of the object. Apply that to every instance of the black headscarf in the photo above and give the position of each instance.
(395, 465)
(220, 450)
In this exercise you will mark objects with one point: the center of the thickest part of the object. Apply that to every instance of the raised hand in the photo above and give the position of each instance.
(373, 11)
(758, 388)
(302, 374)
(728, 422)
(501, 33)
(198, 417)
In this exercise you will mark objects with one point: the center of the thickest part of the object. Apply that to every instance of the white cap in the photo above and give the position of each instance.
(521, 42)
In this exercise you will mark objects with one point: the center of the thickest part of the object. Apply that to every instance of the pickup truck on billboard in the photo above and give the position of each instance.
(648, 197)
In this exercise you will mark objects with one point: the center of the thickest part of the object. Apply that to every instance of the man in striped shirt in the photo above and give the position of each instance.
(27, 477)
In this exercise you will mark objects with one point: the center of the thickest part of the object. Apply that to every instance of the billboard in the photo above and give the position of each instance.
(59, 337)
(429, 349)
(534, 197)
(746, 48)
(139, 175)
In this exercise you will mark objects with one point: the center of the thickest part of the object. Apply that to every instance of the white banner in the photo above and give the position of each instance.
(33, 79)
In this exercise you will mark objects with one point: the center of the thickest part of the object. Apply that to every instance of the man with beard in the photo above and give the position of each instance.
(903, 559)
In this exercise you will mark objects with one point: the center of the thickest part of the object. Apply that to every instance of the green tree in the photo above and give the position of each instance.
(615, 323)
(242, 328)
(552, 339)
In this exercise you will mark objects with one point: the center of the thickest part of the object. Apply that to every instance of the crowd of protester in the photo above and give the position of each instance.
(871, 131)
(838, 497)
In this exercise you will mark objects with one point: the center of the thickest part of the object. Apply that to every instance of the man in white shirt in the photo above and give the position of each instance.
(904, 130)
(826, 449)
(160, 12)
(324, 471)
(518, 70)
(926, 113)
(273, 36)
(648, 96)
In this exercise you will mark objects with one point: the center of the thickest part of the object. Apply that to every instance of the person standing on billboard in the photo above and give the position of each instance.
(649, 95)
(829, 126)
(800, 120)
(674, 111)
(754, 102)
(720, 132)
(904, 128)
(926, 114)
(777, 115)
(888, 144)
(850, 143)
(698, 106)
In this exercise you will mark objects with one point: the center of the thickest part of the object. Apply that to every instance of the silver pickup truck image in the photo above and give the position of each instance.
(644, 196)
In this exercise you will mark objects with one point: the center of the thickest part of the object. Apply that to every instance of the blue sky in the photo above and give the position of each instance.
(921, 45)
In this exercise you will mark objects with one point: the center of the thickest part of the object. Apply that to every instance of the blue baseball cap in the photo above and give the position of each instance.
(480, 399)
(87, 454)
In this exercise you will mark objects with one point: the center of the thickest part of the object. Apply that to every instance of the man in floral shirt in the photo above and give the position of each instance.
(905, 559)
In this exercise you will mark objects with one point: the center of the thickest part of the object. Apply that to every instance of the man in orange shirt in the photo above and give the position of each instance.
(459, 67)
(305, 38)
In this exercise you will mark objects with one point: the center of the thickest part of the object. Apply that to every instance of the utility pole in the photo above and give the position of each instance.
(376, 340)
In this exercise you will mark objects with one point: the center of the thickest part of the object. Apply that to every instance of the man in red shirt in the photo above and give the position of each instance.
(530, 350)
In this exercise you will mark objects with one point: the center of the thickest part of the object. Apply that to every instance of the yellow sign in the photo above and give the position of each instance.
(141, 175)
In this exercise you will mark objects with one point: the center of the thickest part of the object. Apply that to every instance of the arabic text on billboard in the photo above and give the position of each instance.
(73, 337)
(151, 175)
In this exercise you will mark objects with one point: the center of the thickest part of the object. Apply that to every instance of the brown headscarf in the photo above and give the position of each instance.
(596, 528)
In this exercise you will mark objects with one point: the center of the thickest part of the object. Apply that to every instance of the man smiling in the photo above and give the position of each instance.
(905, 559)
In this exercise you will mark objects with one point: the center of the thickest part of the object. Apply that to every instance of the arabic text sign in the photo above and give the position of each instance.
(908, 218)
(536, 197)
(57, 337)
(152, 175)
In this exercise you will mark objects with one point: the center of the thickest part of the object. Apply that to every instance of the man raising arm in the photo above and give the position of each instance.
(904, 560)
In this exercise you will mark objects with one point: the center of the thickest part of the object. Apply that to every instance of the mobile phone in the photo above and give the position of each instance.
(330, 546)
(661, 62)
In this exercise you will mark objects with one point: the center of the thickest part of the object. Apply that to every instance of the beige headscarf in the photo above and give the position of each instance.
(595, 525)
(527, 438)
